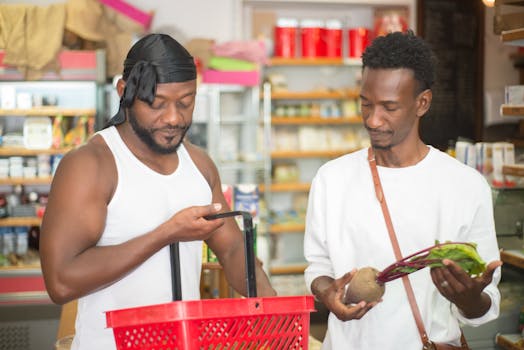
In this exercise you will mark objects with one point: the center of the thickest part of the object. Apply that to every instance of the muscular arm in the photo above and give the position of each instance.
(228, 241)
(72, 264)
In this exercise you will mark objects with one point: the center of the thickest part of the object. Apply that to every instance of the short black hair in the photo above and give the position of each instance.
(402, 50)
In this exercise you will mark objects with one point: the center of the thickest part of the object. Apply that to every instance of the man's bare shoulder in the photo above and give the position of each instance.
(202, 160)
(91, 163)
(94, 153)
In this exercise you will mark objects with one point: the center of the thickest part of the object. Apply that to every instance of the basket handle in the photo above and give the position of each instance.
(249, 243)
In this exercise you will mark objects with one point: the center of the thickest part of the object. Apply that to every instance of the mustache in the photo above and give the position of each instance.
(378, 131)
(174, 127)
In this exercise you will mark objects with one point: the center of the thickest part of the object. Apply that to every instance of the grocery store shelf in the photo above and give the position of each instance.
(287, 269)
(314, 120)
(513, 257)
(318, 61)
(287, 187)
(22, 285)
(512, 110)
(285, 228)
(510, 341)
(513, 37)
(20, 221)
(48, 111)
(20, 151)
(515, 169)
(309, 154)
(314, 95)
(26, 181)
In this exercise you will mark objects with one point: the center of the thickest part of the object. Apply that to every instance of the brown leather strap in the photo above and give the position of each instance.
(398, 255)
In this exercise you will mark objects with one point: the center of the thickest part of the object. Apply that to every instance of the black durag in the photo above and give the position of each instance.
(152, 60)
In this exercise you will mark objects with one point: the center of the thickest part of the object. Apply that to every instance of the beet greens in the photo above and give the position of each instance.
(464, 254)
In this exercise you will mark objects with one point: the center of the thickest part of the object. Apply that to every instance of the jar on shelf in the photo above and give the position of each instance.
(332, 38)
(359, 39)
(310, 35)
(285, 37)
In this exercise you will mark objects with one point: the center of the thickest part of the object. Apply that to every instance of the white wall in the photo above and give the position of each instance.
(216, 19)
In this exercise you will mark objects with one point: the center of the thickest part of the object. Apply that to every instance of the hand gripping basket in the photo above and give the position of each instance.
(257, 323)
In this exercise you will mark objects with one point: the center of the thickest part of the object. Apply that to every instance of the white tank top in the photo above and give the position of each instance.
(143, 199)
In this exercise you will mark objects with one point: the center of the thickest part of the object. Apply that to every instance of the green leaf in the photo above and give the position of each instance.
(465, 255)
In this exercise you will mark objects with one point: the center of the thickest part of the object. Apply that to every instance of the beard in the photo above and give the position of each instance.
(146, 135)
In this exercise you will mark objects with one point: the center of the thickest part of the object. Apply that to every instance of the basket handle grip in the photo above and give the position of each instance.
(249, 243)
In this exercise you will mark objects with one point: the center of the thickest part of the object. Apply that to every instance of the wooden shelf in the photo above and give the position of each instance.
(510, 341)
(314, 120)
(287, 269)
(49, 111)
(20, 221)
(285, 228)
(309, 154)
(513, 257)
(20, 151)
(512, 110)
(320, 61)
(314, 95)
(287, 187)
(513, 37)
(26, 181)
(514, 170)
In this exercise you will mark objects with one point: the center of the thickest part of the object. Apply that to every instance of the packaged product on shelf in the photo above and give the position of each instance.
(514, 94)
(285, 37)
(205, 252)
(8, 240)
(227, 190)
(58, 134)
(77, 135)
(332, 38)
(4, 168)
(38, 133)
(21, 240)
(246, 198)
(8, 97)
(484, 157)
(311, 38)
(285, 173)
(359, 39)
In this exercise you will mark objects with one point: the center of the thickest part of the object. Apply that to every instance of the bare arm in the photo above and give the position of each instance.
(74, 220)
(228, 241)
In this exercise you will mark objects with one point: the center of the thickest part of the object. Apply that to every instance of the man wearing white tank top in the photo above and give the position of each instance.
(118, 202)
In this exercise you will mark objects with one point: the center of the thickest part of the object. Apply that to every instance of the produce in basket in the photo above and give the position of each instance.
(368, 284)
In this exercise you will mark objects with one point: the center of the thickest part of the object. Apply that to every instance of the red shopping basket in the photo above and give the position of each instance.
(249, 323)
(252, 323)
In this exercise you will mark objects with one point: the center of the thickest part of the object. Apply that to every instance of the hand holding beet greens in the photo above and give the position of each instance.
(368, 283)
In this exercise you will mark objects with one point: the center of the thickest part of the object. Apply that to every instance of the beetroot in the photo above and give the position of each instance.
(368, 284)
(364, 287)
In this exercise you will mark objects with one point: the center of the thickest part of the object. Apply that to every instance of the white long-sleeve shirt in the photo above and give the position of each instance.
(437, 199)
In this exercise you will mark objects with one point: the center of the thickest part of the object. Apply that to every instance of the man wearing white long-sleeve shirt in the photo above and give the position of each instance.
(430, 196)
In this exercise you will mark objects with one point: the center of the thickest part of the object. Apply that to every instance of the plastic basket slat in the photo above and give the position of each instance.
(237, 324)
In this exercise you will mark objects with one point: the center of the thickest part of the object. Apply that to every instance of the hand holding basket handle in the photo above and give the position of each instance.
(249, 252)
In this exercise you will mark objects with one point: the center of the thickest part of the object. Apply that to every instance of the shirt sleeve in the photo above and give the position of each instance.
(315, 240)
(483, 233)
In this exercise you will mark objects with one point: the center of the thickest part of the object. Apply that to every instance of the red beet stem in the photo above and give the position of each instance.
(414, 261)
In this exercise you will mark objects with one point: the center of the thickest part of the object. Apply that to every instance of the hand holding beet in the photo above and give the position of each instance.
(368, 284)
(331, 291)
